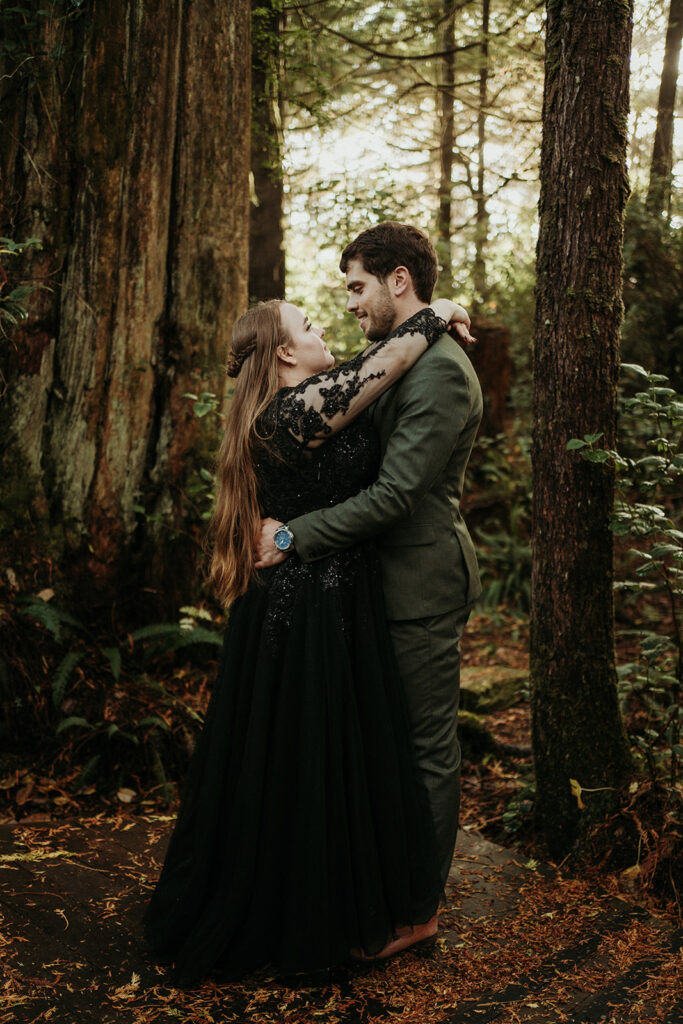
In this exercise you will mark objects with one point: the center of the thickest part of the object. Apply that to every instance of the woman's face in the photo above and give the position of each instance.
(306, 342)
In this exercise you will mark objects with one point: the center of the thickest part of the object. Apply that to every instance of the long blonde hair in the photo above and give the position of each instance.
(236, 521)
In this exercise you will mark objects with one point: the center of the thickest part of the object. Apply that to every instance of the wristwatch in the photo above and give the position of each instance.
(284, 538)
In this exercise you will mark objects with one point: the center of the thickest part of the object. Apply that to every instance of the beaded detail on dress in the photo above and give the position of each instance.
(293, 480)
(294, 477)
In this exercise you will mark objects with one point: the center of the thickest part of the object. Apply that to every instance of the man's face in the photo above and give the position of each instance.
(370, 301)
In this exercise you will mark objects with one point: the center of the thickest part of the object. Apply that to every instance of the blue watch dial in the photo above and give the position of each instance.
(283, 538)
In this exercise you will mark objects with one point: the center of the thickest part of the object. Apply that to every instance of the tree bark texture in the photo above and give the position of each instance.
(446, 141)
(481, 219)
(577, 729)
(659, 191)
(492, 360)
(128, 157)
(266, 236)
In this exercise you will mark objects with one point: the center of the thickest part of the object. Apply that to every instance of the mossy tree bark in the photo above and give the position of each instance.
(129, 158)
(577, 729)
(266, 237)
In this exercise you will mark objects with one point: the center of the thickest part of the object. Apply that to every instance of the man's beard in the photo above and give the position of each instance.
(382, 318)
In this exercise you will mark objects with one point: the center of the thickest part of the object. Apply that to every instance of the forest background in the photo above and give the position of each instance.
(146, 201)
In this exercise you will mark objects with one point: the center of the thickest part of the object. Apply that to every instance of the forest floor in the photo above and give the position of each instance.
(521, 942)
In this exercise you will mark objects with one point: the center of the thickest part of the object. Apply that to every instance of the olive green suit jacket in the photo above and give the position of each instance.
(427, 424)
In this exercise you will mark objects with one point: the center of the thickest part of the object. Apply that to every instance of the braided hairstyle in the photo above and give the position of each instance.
(236, 521)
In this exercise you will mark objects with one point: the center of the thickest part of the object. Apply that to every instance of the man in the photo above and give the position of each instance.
(427, 424)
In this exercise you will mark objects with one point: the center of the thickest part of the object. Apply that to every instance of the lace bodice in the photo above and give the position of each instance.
(296, 471)
(294, 480)
(320, 448)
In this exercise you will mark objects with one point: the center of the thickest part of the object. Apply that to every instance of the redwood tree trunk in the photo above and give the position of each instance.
(659, 191)
(266, 242)
(577, 730)
(129, 159)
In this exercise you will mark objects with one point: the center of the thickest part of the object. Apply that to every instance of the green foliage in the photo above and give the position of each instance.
(95, 707)
(201, 487)
(652, 333)
(13, 301)
(649, 469)
(519, 810)
(23, 35)
(61, 677)
(49, 615)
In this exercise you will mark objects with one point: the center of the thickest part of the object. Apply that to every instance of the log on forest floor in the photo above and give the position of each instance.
(518, 942)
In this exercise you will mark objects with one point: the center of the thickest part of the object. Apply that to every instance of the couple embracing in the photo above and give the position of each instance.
(320, 810)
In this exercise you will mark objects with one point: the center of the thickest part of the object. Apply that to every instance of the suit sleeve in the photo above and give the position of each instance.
(433, 407)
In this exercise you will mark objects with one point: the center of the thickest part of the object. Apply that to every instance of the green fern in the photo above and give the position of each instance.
(73, 722)
(64, 670)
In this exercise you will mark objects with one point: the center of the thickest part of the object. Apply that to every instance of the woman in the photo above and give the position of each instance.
(303, 833)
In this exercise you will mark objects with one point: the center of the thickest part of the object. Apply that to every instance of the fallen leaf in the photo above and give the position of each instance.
(576, 791)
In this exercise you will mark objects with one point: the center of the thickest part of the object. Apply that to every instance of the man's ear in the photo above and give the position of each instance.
(402, 281)
(285, 355)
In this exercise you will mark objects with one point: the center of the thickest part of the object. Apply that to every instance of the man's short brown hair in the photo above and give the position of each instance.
(386, 246)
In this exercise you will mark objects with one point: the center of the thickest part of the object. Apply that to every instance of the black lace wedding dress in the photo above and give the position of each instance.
(303, 830)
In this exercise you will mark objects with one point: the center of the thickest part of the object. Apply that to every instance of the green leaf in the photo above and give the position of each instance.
(196, 613)
(640, 371)
(73, 722)
(664, 392)
(575, 444)
(664, 549)
(113, 656)
(86, 771)
(592, 438)
(156, 631)
(21, 292)
(598, 456)
(46, 614)
(66, 666)
(154, 720)
(620, 527)
(199, 635)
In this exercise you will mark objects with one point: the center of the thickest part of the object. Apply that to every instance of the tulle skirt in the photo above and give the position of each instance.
(303, 831)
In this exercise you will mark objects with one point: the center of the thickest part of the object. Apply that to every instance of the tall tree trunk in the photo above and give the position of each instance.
(659, 191)
(266, 243)
(129, 158)
(446, 140)
(481, 219)
(577, 729)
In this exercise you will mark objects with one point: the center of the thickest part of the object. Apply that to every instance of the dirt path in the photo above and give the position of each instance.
(519, 944)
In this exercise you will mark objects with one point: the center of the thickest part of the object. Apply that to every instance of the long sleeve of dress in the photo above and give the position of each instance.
(323, 404)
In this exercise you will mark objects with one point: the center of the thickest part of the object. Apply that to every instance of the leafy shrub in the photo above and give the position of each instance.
(117, 715)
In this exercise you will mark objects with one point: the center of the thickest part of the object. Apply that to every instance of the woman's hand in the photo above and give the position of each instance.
(457, 319)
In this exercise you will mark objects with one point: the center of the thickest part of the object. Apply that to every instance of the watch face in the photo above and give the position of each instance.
(282, 538)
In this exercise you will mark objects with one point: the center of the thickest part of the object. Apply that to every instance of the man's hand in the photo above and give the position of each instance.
(266, 552)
